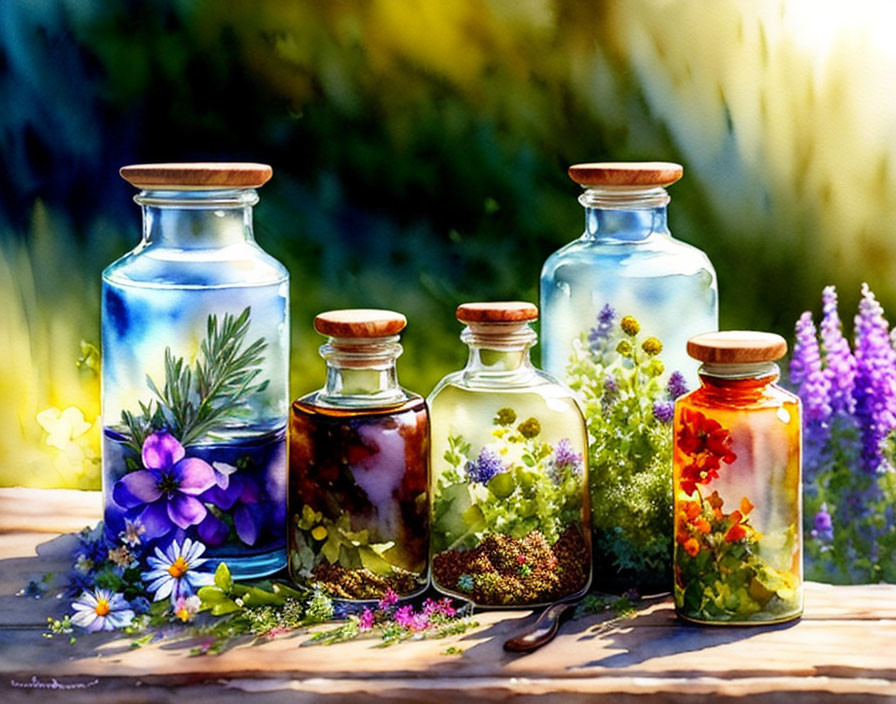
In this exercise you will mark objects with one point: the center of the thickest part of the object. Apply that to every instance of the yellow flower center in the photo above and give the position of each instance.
(102, 608)
(183, 614)
(179, 568)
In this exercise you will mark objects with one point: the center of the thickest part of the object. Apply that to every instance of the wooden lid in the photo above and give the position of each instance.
(196, 176)
(620, 173)
(497, 312)
(360, 322)
(737, 347)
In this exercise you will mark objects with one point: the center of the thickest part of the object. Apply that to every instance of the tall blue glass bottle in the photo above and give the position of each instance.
(628, 260)
(195, 334)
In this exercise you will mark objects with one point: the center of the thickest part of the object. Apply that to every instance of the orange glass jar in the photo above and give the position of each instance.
(737, 487)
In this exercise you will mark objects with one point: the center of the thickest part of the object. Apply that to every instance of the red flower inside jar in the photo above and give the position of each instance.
(707, 444)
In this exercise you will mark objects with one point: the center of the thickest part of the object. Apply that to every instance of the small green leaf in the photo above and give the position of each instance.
(223, 580)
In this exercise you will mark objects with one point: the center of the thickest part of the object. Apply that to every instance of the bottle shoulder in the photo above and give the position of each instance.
(536, 382)
(771, 396)
(313, 405)
(154, 265)
(648, 259)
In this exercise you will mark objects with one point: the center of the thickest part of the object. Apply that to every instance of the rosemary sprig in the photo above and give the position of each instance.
(196, 401)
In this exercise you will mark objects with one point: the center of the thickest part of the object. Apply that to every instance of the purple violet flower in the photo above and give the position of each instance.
(676, 386)
(806, 372)
(486, 467)
(241, 497)
(599, 334)
(839, 362)
(664, 411)
(875, 381)
(167, 488)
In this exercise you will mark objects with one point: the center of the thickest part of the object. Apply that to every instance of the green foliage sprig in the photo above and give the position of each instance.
(527, 494)
(628, 413)
(198, 400)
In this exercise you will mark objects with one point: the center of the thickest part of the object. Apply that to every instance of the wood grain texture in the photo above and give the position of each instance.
(621, 173)
(497, 312)
(360, 322)
(737, 347)
(198, 175)
(841, 651)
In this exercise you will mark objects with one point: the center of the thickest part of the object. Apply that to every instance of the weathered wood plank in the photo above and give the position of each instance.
(842, 650)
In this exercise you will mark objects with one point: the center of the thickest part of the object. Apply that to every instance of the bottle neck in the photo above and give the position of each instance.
(499, 354)
(624, 213)
(745, 381)
(361, 372)
(197, 219)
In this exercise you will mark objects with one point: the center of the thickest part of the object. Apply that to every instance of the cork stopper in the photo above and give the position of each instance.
(737, 347)
(620, 173)
(196, 176)
(360, 322)
(497, 312)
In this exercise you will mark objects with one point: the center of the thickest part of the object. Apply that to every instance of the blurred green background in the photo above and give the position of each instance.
(420, 152)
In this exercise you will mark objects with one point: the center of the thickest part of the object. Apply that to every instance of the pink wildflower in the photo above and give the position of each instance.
(406, 617)
(442, 607)
(389, 600)
(366, 620)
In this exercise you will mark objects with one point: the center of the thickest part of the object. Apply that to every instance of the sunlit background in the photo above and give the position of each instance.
(420, 152)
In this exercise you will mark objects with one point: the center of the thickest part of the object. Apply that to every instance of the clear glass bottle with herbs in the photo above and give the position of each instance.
(737, 486)
(195, 334)
(359, 467)
(626, 261)
(510, 509)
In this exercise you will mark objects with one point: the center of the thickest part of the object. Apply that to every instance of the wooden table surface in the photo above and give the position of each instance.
(843, 649)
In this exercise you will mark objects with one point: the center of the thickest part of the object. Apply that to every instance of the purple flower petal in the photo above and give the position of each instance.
(222, 473)
(136, 488)
(224, 498)
(161, 450)
(250, 493)
(246, 527)
(155, 519)
(212, 530)
(194, 476)
(186, 511)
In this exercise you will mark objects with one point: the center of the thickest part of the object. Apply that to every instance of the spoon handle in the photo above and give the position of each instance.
(543, 630)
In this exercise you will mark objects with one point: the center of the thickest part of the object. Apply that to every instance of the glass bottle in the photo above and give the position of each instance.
(195, 335)
(359, 467)
(510, 511)
(738, 498)
(626, 261)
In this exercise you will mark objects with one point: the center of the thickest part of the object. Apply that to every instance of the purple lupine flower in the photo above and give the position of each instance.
(664, 411)
(806, 372)
(565, 460)
(875, 381)
(839, 362)
(600, 333)
(167, 488)
(676, 386)
(486, 467)
(824, 525)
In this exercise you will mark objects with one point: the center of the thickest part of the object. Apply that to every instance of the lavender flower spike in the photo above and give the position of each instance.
(676, 386)
(839, 362)
(805, 371)
(875, 382)
(485, 468)
(599, 334)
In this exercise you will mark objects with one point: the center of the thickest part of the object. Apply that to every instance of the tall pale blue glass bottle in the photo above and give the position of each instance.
(628, 260)
(195, 334)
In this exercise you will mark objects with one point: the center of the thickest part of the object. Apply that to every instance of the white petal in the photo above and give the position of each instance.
(120, 618)
(84, 618)
(165, 589)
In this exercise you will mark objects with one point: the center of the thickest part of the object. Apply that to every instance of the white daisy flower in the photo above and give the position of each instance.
(174, 572)
(102, 610)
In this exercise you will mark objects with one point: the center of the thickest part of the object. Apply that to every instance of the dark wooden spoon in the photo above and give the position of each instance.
(544, 629)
